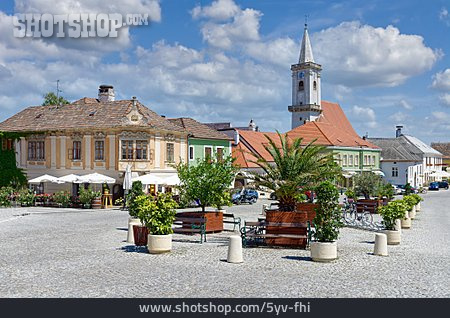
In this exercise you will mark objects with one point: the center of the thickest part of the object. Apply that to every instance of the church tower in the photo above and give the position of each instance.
(306, 98)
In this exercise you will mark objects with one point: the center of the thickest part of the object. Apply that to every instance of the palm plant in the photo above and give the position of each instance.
(294, 169)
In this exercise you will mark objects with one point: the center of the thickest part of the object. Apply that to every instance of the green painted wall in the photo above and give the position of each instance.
(372, 161)
(199, 148)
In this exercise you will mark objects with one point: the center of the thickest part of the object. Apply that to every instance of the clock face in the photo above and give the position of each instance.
(301, 75)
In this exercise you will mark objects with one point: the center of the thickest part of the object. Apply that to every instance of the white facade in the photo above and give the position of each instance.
(402, 172)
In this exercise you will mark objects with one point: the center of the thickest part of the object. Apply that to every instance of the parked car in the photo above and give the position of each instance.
(443, 185)
(434, 186)
(397, 190)
(401, 188)
(245, 196)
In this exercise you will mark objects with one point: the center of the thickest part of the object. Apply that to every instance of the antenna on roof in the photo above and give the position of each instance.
(57, 89)
(306, 20)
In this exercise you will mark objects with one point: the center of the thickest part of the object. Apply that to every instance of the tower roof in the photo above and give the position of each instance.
(306, 54)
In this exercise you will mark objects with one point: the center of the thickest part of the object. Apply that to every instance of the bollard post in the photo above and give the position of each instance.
(380, 247)
(235, 250)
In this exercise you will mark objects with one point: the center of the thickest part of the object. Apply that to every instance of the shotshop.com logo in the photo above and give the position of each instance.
(76, 25)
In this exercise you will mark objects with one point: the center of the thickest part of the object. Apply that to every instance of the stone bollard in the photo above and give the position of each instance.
(380, 247)
(131, 222)
(418, 207)
(235, 250)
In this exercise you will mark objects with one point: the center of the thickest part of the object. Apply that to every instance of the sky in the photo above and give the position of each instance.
(385, 62)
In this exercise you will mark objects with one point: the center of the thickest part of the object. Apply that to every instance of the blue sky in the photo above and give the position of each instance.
(385, 62)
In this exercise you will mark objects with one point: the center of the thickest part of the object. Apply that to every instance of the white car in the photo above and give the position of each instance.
(397, 190)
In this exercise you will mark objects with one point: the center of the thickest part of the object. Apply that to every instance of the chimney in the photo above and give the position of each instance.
(252, 125)
(236, 137)
(106, 93)
(398, 131)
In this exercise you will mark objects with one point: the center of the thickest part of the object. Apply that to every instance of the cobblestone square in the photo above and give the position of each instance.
(82, 253)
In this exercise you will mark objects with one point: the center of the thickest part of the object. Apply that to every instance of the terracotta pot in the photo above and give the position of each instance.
(393, 237)
(158, 244)
(140, 235)
(323, 251)
(214, 220)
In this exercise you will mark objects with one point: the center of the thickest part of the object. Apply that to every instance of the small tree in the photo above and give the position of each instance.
(367, 184)
(157, 214)
(51, 99)
(391, 212)
(207, 181)
(328, 216)
(136, 190)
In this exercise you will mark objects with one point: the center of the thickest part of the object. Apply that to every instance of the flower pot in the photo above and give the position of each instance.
(418, 207)
(131, 222)
(412, 213)
(140, 234)
(406, 223)
(323, 251)
(393, 237)
(158, 244)
(106, 191)
(97, 203)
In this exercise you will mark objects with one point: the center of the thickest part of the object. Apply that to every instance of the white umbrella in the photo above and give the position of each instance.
(127, 183)
(149, 179)
(95, 178)
(45, 178)
(69, 178)
(172, 180)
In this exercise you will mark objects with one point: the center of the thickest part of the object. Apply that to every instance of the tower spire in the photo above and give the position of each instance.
(306, 54)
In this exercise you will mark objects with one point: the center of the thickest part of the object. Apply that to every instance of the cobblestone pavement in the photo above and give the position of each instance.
(82, 253)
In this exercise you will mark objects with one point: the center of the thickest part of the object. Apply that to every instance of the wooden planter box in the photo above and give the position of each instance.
(309, 208)
(286, 217)
(372, 205)
(214, 220)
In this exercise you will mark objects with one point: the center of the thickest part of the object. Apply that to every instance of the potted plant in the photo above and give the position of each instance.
(390, 213)
(410, 202)
(326, 223)
(87, 196)
(5, 194)
(157, 215)
(206, 183)
(141, 236)
(351, 195)
(293, 169)
(62, 198)
(26, 197)
(418, 199)
(105, 188)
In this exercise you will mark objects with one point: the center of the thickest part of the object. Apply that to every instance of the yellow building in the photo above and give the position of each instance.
(96, 135)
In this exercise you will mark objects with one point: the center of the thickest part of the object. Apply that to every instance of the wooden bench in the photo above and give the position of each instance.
(370, 207)
(229, 218)
(190, 225)
(256, 233)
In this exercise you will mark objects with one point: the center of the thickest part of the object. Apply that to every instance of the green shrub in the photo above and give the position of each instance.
(5, 193)
(87, 195)
(328, 215)
(63, 198)
(391, 212)
(410, 202)
(136, 191)
(351, 194)
(417, 197)
(26, 197)
(157, 214)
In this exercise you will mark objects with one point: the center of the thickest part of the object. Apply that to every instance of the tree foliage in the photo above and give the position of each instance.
(136, 190)
(367, 184)
(157, 214)
(391, 212)
(207, 181)
(51, 99)
(294, 169)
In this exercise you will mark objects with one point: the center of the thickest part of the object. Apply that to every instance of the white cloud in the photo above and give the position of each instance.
(282, 51)
(399, 117)
(444, 16)
(364, 115)
(441, 80)
(445, 99)
(361, 55)
(405, 104)
(218, 10)
(244, 27)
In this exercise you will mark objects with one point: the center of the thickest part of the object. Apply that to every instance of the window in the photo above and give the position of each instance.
(394, 171)
(76, 151)
(315, 85)
(7, 144)
(338, 160)
(365, 160)
(36, 150)
(170, 155)
(373, 160)
(357, 160)
(350, 161)
(208, 152)
(99, 150)
(127, 149)
(219, 153)
(141, 149)
(345, 161)
(191, 152)
(301, 86)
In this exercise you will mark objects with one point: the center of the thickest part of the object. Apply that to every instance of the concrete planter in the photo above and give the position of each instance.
(418, 207)
(158, 244)
(323, 251)
(131, 222)
(393, 237)
(406, 223)
(412, 213)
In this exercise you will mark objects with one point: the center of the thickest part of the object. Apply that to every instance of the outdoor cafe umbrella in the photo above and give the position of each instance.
(95, 178)
(70, 178)
(127, 183)
(45, 178)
